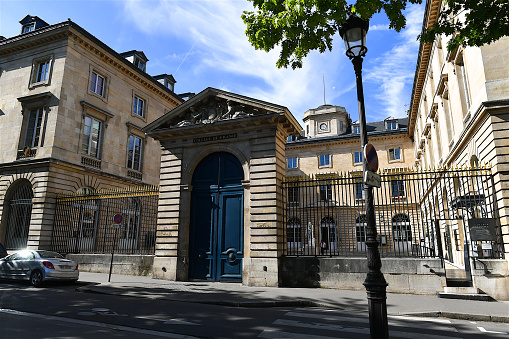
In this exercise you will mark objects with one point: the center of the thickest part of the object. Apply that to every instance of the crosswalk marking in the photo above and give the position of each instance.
(365, 320)
(329, 323)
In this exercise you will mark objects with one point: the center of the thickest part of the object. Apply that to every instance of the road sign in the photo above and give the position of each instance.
(371, 157)
(117, 218)
(372, 179)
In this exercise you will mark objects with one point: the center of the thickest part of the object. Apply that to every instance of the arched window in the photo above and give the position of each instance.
(401, 233)
(19, 212)
(360, 232)
(328, 234)
(293, 234)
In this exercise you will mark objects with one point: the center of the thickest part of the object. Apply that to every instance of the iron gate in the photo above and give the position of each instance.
(84, 221)
(19, 215)
(426, 213)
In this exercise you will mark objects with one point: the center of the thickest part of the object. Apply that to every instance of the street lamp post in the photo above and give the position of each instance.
(353, 32)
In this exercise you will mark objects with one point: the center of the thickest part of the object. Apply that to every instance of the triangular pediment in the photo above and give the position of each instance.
(213, 106)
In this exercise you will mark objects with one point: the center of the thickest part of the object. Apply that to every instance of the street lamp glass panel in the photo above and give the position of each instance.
(355, 41)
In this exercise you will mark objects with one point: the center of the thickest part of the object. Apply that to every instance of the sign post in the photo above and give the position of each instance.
(371, 178)
(117, 223)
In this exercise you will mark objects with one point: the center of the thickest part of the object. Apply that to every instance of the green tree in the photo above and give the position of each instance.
(300, 26)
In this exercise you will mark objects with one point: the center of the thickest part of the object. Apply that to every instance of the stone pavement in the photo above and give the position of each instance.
(236, 294)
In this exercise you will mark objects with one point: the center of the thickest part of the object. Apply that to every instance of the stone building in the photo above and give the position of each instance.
(72, 111)
(330, 148)
(459, 117)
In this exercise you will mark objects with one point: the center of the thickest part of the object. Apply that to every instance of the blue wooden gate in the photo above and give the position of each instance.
(216, 232)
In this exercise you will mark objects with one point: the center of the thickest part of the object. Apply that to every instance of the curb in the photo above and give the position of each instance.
(247, 304)
(461, 316)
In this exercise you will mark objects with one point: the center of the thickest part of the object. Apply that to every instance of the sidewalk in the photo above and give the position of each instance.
(236, 294)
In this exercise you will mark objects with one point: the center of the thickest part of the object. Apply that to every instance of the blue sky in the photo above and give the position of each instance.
(202, 43)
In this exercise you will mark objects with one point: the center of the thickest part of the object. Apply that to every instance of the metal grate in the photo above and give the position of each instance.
(84, 221)
(418, 213)
(19, 215)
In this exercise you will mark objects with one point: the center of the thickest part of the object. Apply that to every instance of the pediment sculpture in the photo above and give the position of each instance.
(208, 112)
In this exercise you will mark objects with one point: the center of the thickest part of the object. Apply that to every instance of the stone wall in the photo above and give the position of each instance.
(404, 275)
(122, 263)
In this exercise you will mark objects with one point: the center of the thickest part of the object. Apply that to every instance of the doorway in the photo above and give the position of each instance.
(217, 219)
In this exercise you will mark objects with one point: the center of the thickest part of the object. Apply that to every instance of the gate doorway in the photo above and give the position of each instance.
(216, 229)
(19, 213)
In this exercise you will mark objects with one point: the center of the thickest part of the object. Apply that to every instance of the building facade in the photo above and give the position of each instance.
(72, 112)
(458, 119)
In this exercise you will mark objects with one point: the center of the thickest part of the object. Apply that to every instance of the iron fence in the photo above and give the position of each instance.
(84, 221)
(429, 213)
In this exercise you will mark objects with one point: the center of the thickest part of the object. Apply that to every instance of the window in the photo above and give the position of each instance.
(134, 154)
(294, 233)
(97, 84)
(324, 160)
(394, 154)
(357, 158)
(139, 107)
(42, 71)
(392, 125)
(341, 126)
(398, 188)
(326, 192)
(28, 28)
(33, 128)
(292, 163)
(140, 64)
(356, 130)
(293, 194)
(91, 137)
(359, 190)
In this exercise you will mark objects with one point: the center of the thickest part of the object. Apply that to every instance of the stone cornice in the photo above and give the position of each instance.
(353, 140)
(121, 65)
(69, 29)
(423, 58)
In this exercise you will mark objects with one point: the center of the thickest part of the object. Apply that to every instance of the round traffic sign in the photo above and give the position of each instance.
(117, 218)
(371, 157)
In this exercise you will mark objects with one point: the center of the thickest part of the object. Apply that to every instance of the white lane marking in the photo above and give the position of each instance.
(339, 328)
(278, 335)
(178, 322)
(486, 331)
(97, 324)
(431, 320)
(365, 320)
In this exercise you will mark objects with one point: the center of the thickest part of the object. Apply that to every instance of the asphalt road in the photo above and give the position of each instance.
(58, 311)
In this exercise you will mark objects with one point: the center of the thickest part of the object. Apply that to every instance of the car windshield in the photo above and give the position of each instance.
(49, 255)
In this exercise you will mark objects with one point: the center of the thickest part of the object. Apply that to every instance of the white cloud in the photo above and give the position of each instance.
(217, 30)
(395, 69)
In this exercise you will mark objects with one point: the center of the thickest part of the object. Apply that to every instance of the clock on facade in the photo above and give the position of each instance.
(323, 126)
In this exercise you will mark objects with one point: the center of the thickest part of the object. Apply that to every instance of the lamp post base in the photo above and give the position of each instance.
(377, 305)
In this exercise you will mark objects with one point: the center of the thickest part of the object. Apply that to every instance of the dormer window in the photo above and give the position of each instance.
(140, 64)
(391, 124)
(137, 58)
(28, 28)
(356, 130)
(31, 23)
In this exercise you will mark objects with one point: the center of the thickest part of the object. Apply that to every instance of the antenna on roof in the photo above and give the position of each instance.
(323, 74)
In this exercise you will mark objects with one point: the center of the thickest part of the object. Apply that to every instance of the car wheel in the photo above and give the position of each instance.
(36, 278)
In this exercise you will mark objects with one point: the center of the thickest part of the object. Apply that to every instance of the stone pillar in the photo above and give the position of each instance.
(267, 165)
(168, 217)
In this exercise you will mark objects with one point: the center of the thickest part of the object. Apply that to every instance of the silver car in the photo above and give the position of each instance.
(38, 266)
